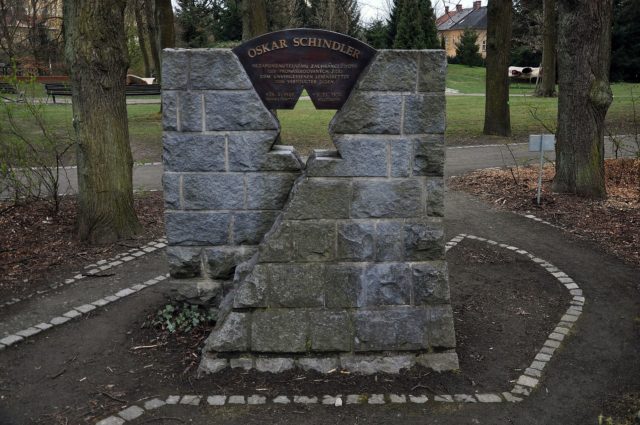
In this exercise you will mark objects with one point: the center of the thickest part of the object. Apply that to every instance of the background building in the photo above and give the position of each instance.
(453, 23)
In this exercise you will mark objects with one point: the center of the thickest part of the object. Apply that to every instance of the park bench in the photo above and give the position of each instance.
(64, 89)
(9, 88)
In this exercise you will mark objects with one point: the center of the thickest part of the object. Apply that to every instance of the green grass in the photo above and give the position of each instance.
(305, 127)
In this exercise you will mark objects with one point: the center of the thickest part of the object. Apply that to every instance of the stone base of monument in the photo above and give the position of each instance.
(364, 364)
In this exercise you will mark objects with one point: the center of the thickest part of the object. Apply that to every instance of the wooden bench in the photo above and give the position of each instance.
(9, 88)
(64, 89)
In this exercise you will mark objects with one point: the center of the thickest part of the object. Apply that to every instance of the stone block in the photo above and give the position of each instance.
(245, 363)
(433, 71)
(435, 196)
(424, 240)
(190, 110)
(268, 191)
(169, 110)
(342, 284)
(369, 365)
(368, 113)
(250, 227)
(171, 190)
(318, 364)
(252, 292)
(330, 330)
(274, 365)
(401, 157)
(283, 160)
(391, 70)
(440, 324)
(202, 292)
(222, 261)
(319, 198)
(208, 364)
(184, 262)
(248, 151)
(439, 362)
(193, 228)
(231, 335)
(175, 69)
(393, 329)
(360, 156)
(307, 241)
(217, 69)
(356, 241)
(429, 155)
(295, 285)
(390, 241)
(430, 284)
(386, 198)
(385, 284)
(237, 111)
(213, 191)
(191, 152)
(424, 114)
(279, 331)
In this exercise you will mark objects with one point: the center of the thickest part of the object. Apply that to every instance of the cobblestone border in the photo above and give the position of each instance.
(76, 312)
(94, 269)
(523, 386)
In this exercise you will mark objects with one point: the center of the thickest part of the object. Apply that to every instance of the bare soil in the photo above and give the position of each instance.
(614, 223)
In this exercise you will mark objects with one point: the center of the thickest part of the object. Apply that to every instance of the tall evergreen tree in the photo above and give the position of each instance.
(375, 34)
(626, 41)
(428, 23)
(467, 51)
(300, 14)
(410, 33)
(392, 22)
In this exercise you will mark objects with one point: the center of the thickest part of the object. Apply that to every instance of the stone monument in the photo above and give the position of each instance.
(336, 263)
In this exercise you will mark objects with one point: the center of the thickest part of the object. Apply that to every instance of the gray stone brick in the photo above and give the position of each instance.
(248, 151)
(391, 70)
(184, 262)
(279, 331)
(274, 365)
(283, 160)
(319, 198)
(395, 329)
(192, 228)
(222, 261)
(213, 191)
(169, 110)
(232, 335)
(433, 71)
(360, 156)
(386, 198)
(356, 241)
(439, 362)
(424, 114)
(300, 240)
(435, 196)
(217, 69)
(130, 413)
(237, 111)
(424, 240)
(250, 227)
(111, 420)
(171, 189)
(390, 241)
(429, 155)
(369, 365)
(190, 112)
(330, 330)
(342, 284)
(318, 364)
(268, 191)
(252, 292)
(296, 285)
(401, 161)
(193, 152)
(430, 284)
(385, 284)
(440, 324)
(368, 113)
(175, 69)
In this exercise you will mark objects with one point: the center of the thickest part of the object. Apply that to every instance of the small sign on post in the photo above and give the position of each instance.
(541, 143)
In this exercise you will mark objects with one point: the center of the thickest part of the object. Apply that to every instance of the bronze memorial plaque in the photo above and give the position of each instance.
(281, 64)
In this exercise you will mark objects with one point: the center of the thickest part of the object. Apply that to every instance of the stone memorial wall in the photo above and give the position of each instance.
(336, 263)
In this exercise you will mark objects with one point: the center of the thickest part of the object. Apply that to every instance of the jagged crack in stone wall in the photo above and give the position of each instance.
(351, 272)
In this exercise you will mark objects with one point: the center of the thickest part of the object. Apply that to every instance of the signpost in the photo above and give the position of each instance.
(283, 63)
(541, 143)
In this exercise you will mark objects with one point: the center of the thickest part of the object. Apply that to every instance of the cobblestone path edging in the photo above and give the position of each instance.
(96, 269)
(523, 386)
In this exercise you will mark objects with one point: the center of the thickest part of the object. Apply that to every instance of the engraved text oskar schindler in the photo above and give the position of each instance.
(282, 64)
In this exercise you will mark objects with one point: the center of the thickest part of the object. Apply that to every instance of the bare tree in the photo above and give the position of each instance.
(548, 86)
(584, 56)
(497, 119)
(96, 52)
(143, 34)
(254, 18)
(165, 34)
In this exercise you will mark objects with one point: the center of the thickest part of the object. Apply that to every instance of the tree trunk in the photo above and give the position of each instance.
(149, 6)
(584, 54)
(254, 19)
(96, 53)
(165, 29)
(497, 120)
(142, 35)
(550, 36)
